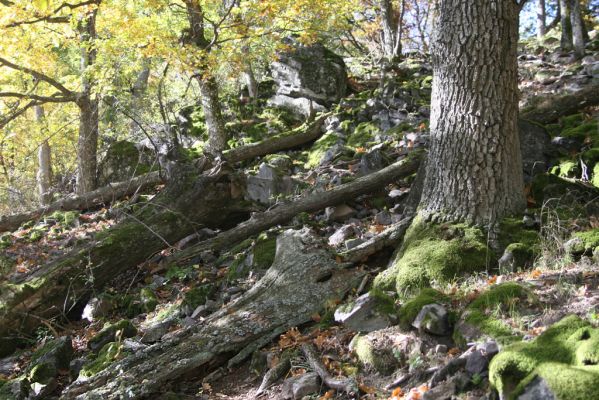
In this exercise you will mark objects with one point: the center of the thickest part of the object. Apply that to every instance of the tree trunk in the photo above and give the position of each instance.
(215, 123)
(566, 38)
(577, 29)
(137, 93)
(251, 82)
(44, 164)
(87, 144)
(474, 165)
(541, 20)
(390, 31)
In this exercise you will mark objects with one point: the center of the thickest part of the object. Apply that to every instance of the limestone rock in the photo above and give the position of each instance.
(362, 315)
(299, 386)
(434, 319)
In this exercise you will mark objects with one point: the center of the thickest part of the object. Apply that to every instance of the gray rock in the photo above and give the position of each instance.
(537, 389)
(299, 106)
(312, 73)
(476, 363)
(300, 386)
(353, 243)
(267, 184)
(75, 366)
(123, 160)
(98, 307)
(8, 365)
(489, 348)
(506, 262)
(133, 345)
(155, 332)
(574, 246)
(383, 218)
(205, 309)
(434, 319)
(341, 235)
(443, 391)
(38, 390)
(362, 315)
(371, 162)
(440, 349)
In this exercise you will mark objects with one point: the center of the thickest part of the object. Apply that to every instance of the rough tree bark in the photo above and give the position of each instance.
(577, 29)
(44, 164)
(541, 20)
(87, 101)
(392, 25)
(474, 166)
(137, 93)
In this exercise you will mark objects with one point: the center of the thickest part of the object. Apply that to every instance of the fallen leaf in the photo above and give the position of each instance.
(328, 395)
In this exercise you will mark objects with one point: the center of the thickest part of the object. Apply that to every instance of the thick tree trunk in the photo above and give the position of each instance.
(391, 27)
(474, 165)
(137, 93)
(251, 82)
(302, 279)
(577, 29)
(87, 144)
(44, 164)
(566, 37)
(215, 123)
(541, 20)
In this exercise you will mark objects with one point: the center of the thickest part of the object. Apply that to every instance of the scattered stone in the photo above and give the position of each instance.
(434, 319)
(267, 184)
(133, 345)
(108, 334)
(363, 315)
(383, 218)
(352, 243)
(75, 366)
(443, 391)
(476, 363)
(371, 162)
(299, 386)
(341, 235)
(537, 389)
(155, 332)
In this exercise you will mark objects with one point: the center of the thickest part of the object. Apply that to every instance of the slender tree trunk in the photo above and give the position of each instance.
(541, 20)
(215, 124)
(577, 29)
(87, 145)
(137, 92)
(475, 165)
(44, 168)
(566, 39)
(389, 26)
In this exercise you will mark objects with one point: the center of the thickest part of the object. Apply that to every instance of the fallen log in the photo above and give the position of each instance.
(313, 202)
(104, 195)
(554, 107)
(115, 191)
(302, 279)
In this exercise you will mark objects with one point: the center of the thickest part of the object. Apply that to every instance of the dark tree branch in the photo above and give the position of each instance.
(39, 99)
(37, 75)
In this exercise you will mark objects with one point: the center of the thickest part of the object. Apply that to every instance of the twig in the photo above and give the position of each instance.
(347, 385)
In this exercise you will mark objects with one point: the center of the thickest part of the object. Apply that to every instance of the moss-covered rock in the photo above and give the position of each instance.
(435, 253)
(106, 356)
(111, 332)
(362, 135)
(565, 356)
(148, 300)
(562, 194)
(520, 243)
(410, 309)
(589, 240)
(319, 149)
(197, 296)
(484, 316)
(264, 251)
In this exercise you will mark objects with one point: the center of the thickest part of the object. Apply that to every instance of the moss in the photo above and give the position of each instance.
(566, 169)
(590, 239)
(107, 355)
(111, 332)
(565, 356)
(435, 253)
(523, 243)
(385, 304)
(43, 373)
(264, 252)
(410, 309)
(362, 135)
(198, 295)
(320, 147)
(148, 300)
(585, 133)
(65, 218)
(480, 314)
(545, 187)
(571, 121)
(595, 176)
(384, 361)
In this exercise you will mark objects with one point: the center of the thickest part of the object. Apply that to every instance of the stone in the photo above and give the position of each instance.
(108, 334)
(123, 160)
(299, 386)
(443, 391)
(440, 349)
(488, 348)
(98, 307)
(434, 319)
(267, 184)
(309, 73)
(339, 213)
(476, 363)
(362, 315)
(547, 76)
(155, 332)
(574, 246)
(353, 243)
(535, 144)
(298, 106)
(371, 162)
(341, 235)
(537, 389)
(383, 218)
(75, 366)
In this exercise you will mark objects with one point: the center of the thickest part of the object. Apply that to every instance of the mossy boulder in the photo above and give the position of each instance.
(552, 191)
(410, 309)
(484, 317)
(64, 218)
(362, 135)
(106, 356)
(264, 251)
(435, 253)
(49, 359)
(318, 152)
(112, 332)
(122, 161)
(522, 245)
(565, 356)
(196, 296)
(588, 240)
(148, 300)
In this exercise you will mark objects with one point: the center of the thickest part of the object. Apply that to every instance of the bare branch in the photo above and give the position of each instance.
(37, 75)
(52, 18)
(17, 112)
(57, 98)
